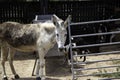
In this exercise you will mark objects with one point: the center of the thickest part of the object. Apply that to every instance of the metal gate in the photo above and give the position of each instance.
(113, 63)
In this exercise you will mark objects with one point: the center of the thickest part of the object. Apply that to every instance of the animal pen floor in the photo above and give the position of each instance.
(24, 63)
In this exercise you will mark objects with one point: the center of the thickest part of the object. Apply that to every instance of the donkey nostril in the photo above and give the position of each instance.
(61, 49)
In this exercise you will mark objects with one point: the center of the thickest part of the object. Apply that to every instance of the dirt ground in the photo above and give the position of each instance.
(55, 70)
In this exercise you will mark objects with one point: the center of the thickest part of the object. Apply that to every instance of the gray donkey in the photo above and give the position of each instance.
(32, 37)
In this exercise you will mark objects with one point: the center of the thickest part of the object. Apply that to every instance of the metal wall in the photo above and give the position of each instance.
(80, 10)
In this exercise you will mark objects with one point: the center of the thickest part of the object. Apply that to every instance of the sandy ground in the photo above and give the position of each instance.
(55, 70)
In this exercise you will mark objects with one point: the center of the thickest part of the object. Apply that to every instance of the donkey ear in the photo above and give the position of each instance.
(67, 21)
(54, 19)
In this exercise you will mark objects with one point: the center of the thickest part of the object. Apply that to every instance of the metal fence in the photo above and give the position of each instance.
(76, 71)
(80, 10)
(91, 10)
(19, 11)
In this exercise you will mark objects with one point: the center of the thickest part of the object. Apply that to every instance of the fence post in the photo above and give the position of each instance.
(44, 6)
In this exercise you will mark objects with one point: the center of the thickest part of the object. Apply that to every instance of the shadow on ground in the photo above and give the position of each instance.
(24, 79)
(55, 67)
(33, 79)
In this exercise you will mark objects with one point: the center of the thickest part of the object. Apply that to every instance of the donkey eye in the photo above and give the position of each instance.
(57, 24)
(65, 35)
(57, 35)
(62, 24)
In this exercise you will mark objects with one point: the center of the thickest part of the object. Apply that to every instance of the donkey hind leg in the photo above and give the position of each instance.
(41, 65)
(4, 55)
(10, 59)
(4, 72)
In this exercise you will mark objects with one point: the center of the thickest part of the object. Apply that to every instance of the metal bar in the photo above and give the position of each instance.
(80, 69)
(95, 61)
(95, 34)
(95, 74)
(110, 79)
(93, 45)
(91, 22)
(34, 66)
(95, 54)
(72, 66)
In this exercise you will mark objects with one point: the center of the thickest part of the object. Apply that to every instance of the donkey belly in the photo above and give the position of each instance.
(25, 43)
(26, 48)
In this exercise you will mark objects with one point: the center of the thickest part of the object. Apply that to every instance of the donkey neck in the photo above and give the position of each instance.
(49, 32)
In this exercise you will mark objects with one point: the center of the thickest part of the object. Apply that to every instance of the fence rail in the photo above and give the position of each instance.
(74, 56)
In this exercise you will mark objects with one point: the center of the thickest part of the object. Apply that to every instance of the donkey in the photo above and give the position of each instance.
(32, 37)
(75, 42)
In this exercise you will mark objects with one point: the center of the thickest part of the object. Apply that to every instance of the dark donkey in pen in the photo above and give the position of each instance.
(78, 41)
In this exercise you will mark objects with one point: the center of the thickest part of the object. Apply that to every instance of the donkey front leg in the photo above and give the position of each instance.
(10, 59)
(3, 70)
(41, 66)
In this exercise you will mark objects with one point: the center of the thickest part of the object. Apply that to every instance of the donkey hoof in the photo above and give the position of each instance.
(5, 78)
(38, 78)
(17, 76)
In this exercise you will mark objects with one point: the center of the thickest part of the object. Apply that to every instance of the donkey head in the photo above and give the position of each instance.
(60, 31)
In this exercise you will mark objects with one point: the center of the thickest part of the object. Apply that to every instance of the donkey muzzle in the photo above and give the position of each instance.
(61, 49)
